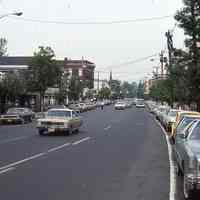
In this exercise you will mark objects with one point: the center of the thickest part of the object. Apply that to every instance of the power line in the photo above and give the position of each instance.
(92, 22)
(142, 59)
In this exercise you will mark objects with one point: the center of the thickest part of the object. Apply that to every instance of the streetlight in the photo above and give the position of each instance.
(15, 13)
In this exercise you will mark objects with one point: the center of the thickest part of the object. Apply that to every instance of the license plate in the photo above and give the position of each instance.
(9, 120)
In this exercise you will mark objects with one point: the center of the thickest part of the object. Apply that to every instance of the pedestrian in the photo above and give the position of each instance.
(102, 105)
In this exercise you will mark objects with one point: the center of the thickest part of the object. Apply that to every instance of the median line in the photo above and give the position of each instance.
(59, 147)
(80, 141)
(22, 161)
(7, 170)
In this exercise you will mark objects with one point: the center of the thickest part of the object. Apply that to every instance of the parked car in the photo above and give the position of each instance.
(120, 106)
(179, 116)
(169, 119)
(187, 153)
(59, 120)
(76, 107)
(17, 116)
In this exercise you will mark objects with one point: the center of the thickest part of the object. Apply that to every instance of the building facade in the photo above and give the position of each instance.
(83, 69)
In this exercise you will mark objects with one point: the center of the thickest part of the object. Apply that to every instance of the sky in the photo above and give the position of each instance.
(107, 45)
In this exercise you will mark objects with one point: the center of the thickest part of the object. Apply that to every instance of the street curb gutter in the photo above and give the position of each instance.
(172, 166)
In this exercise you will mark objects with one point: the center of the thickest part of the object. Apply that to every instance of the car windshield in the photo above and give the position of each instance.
(59, 113)
(184, 123)
(195, 135)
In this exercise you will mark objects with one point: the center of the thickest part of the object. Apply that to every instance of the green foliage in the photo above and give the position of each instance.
(129, 89)
(43, 71)
(104, 93)
(140, 90)
(75, 88)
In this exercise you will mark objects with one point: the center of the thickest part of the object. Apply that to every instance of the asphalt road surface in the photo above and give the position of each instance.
(117, 155)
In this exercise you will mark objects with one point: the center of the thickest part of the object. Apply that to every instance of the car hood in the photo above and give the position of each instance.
(194, 146)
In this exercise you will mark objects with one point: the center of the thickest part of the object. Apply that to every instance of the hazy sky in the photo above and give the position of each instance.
(105, 45)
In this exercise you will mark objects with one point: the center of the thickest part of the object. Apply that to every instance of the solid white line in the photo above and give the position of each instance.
(59, 147)
(107, 128)
(82, 140)
(14, 139)
(7, 170)
(172, 166)
(22, 161)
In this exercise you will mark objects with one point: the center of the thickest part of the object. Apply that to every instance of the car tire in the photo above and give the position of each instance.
(41, 132)
(70, 131)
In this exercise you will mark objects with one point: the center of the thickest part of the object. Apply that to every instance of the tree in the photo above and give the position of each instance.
(129, 89)
(140, 90)
(75, 88)
(104, 93)
(12, 90)
(189, 19)
(115, 88)
(43, 72)
(3, 46)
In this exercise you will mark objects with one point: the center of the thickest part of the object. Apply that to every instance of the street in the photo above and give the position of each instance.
(116, 155)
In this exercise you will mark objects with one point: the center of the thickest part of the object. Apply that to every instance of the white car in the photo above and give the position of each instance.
(140, 103)
(57, 120)
(120, 106)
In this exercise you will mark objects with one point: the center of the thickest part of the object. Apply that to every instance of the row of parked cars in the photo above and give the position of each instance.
(21, 115)
(184, 134)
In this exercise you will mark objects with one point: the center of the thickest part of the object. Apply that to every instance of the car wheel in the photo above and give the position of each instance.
(70, 131)
(41, 132)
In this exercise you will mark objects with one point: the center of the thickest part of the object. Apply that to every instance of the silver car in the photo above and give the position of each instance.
(187, 153)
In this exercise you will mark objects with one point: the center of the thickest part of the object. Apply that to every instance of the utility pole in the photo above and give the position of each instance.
(98, 82)
(162, 63)
(170, 46)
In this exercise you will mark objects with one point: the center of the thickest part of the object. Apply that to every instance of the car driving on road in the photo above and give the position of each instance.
(120, 106)
(140, 103)
(59, 120)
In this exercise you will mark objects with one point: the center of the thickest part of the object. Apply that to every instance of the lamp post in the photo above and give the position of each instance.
(14, 13)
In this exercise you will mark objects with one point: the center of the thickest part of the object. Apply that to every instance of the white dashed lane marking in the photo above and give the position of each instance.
(7, 170)
(107, 128)
(80, 141)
